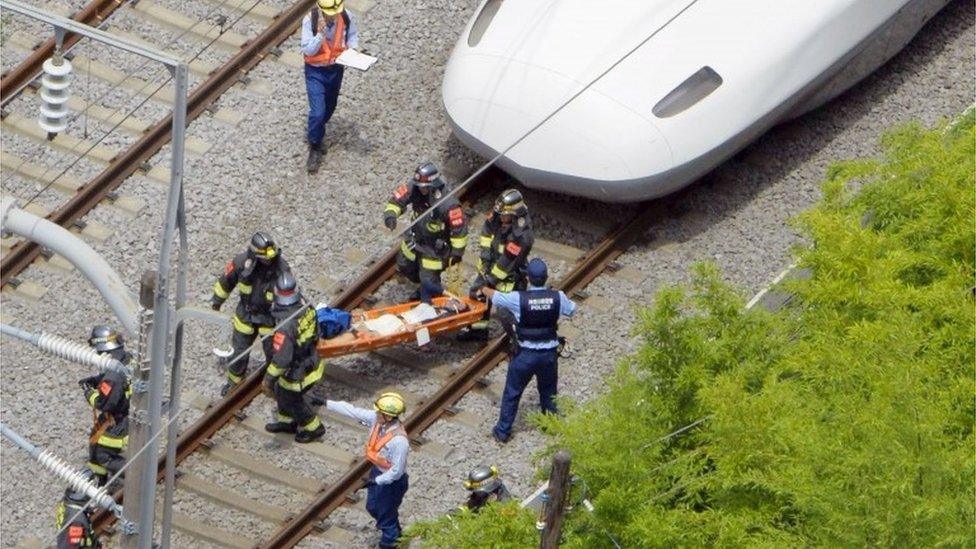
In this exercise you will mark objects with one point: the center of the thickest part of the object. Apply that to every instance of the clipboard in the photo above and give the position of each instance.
(355, 59)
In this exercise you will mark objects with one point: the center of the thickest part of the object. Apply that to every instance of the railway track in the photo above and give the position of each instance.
(121, 166)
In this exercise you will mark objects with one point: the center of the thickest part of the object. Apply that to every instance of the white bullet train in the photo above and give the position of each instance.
(706, 77)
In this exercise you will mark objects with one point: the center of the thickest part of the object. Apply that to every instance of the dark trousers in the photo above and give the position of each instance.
(322, 85)
(526, 364)
(237, 370)
(429, 280)
(383, 504)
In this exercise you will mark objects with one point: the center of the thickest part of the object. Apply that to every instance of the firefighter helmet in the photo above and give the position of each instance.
(483, 479)
(510, 202)
(428, 176)
(331, 7)
(390, 404)
(263, 247)
(77, 495)
(104, 339)
(286, 291)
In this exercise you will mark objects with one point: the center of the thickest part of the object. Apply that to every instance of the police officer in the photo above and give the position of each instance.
(505, 242)
(253, 273)
(295, 367)
(108, 394)
(536, 312)
(387, 450)
(327, 31)
(485, 487)
(438, 240)
(79, 532)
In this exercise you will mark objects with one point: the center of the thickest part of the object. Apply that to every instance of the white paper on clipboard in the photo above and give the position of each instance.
(355, 59)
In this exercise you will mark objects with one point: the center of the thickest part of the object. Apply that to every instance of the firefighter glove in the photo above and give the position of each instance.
(268, 386)
(90, 381)
(390, 221)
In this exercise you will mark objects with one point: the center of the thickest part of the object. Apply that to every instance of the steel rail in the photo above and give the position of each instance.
(595, 262)
(227, 409)
(129, 161)
(18, 77)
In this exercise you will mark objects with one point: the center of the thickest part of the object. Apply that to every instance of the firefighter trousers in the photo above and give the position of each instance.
(423, 270)
(290, 398)
(244, 335)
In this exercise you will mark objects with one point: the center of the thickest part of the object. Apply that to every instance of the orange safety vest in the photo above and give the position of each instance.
(329, 52)
(376, 443)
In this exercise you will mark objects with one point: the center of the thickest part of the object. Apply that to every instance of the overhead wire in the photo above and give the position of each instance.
(260, 339)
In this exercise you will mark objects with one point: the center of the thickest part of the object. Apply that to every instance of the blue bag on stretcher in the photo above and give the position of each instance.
(332, 321)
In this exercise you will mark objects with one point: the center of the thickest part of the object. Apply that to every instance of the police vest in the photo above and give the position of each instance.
(538, 315)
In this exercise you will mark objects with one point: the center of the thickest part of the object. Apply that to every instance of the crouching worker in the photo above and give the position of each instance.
(295, 367)
(72, 520)
(387, 449)
(108, 394)
(485, 487)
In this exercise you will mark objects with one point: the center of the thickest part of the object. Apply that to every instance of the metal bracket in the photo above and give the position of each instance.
(140, 416)
(139, 386)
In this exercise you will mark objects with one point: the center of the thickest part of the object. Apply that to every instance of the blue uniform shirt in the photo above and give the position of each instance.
(312, 42)
(510, 301)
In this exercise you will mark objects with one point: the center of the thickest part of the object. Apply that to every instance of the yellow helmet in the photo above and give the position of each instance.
(390, 404)
(331, 7)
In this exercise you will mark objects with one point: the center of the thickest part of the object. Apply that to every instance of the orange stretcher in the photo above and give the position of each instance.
(376, 328)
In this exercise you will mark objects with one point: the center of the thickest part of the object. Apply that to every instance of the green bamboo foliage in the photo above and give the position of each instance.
(845, 420)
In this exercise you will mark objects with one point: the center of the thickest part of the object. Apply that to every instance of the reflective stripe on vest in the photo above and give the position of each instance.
(538, 315)
(376, 443)
(328, 52)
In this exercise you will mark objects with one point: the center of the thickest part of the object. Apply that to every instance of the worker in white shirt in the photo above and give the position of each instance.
(387, 450)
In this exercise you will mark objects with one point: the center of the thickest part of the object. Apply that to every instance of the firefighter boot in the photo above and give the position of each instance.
(282, 427)
(304, 436)
(315, 154)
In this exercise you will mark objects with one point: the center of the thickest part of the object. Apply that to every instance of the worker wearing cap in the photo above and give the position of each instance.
(536, 312)
(387, 450)
(253, 273)
(108, 394)
(327, 31)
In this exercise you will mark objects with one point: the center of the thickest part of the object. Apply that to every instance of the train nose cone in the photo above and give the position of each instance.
(592, 147)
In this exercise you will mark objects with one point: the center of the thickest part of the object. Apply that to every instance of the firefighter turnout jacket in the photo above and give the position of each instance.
(80, 532)
(504, 252)
(295, 362)
(255, 282)
(441, 236)
(108, 394)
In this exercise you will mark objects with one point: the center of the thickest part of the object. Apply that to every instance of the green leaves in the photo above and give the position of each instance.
(844, 420)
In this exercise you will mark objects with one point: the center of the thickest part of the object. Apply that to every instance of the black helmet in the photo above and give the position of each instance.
(483, 479)
(263, 247)
(78, 496)
(104, 339)
(286, 290)
(510, 202)
(428, 176)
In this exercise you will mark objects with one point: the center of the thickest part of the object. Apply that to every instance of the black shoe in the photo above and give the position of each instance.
(472, 334)
(316, 401)
(227, 387)
(315, 155)
(280, 427)
(500, 439)
(304, 436)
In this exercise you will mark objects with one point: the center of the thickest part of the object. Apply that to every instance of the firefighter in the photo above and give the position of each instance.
(434, 243)
(108, 394)
(387, 449)
(79, 532)
(485, 487)
(536, 312)
(505, 242)
(295, 367)
(253, 273)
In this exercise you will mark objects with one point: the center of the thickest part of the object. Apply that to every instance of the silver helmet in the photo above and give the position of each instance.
(286, 291)
(428, 176)
(483, 479)
(104, 339)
